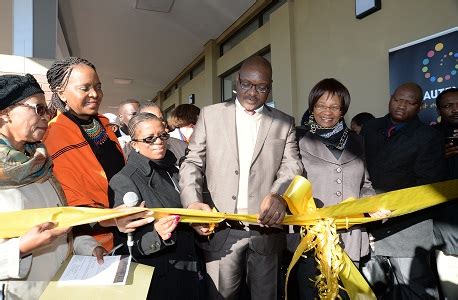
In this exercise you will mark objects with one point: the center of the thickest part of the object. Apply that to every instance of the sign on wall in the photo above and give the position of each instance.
(432, 62)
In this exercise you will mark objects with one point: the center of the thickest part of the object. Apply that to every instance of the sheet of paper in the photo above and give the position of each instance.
(84, 270)
(137, 285)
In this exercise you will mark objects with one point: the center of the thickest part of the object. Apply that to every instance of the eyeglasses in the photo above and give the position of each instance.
(261, 88)
(334, 108)
(152, 139)
(40, 109)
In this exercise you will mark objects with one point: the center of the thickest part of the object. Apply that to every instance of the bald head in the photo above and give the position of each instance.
(259, 64)
(254, 82)
(412, 88)
(152, 108)
(126, 110)
(405, 103)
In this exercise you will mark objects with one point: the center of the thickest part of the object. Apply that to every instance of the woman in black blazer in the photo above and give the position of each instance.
(167, 245)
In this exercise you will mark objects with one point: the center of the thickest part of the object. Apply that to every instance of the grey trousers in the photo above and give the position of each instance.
(237, 261)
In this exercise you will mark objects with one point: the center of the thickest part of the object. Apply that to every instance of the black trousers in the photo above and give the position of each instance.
(302, 280)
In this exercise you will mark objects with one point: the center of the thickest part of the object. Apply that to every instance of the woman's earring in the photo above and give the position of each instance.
(137, 150)
(67, 108)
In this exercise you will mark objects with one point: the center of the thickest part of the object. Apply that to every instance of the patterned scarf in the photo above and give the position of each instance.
(18, 169)
(334, 137)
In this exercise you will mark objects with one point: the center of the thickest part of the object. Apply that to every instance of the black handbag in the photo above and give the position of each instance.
(379, 274)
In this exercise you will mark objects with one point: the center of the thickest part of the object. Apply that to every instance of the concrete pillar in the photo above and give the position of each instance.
(212, 81)
(35, 28)
(6, 27)
(283, 58)
(160, 99)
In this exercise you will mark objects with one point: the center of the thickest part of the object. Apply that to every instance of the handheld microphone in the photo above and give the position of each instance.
(130, 199)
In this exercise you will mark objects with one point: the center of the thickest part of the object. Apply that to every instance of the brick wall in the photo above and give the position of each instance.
(10, 64)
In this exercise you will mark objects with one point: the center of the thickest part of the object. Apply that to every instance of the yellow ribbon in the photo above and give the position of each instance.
(333, 263)
(319, 224)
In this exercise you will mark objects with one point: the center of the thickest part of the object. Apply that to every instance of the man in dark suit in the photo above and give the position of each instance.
(248, 155)
(403, 152)
(447, 107)
(445, 220)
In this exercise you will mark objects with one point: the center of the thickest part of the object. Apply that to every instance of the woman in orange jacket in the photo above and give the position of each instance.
(85, 152)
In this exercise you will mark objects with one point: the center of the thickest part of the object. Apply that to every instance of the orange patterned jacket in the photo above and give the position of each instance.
(77, 169)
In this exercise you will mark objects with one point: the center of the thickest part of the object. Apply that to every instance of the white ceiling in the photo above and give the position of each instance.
(151, 48)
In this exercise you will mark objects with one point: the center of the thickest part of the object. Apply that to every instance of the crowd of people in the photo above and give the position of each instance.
(236, 157)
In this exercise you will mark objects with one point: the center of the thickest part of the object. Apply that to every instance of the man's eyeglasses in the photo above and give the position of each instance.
(152, 139)
(40, 109)
(261, 88)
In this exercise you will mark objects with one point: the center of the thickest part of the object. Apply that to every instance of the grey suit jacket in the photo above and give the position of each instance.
(335, 180)
(214, 155)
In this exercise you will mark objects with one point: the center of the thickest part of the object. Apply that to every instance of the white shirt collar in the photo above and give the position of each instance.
(238, 105)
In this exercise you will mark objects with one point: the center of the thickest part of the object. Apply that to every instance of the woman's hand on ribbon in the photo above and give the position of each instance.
(128, 224)
(273, 210)
(39, 236)
(380, 214)
(201, 229)
(166, 225)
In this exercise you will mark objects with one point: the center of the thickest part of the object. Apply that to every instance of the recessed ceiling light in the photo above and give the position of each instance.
(123, 81)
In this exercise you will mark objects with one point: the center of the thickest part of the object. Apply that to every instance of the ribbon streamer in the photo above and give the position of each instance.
(332, 262)
(319, 224)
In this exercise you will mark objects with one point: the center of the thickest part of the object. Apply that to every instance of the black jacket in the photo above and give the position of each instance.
(452, 162)
(412, 156)
(175, 260)
(445, 220)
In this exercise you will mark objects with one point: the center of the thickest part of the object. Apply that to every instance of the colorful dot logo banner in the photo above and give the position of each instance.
(445, 61)
(431, 62)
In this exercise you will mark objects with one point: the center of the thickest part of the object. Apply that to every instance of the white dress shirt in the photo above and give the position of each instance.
(247, 133)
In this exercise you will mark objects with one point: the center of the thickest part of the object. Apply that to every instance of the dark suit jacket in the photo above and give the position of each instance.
(214, 154)
(178, 148)
(452, 162)
(413, 156)
(445, 220)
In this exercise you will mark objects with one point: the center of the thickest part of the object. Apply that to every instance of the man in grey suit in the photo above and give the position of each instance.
(246, 154)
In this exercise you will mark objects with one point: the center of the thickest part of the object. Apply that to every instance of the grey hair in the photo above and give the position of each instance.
(138, 119)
